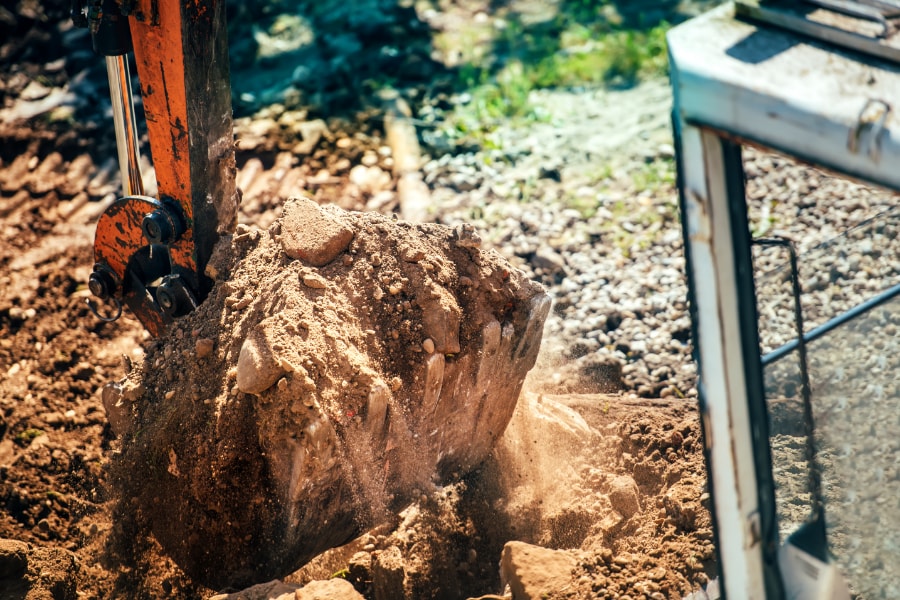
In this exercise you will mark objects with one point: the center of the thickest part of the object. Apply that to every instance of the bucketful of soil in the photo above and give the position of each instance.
(342, 363)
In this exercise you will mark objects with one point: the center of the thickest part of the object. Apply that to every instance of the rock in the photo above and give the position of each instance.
(549, 261)
(319, 406)
(331, 589)
(312, 280)
(388, 574)
(203, 347)
(34, 91)
(312, 235)
(534, 573)
(272, 590)
(258, 368)
(624, 495)
(466, 236)
(665, 151)
(370, 180)
(311, 132)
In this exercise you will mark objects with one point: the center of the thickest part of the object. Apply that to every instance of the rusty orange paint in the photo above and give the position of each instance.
(159, 54)
(119, 236)
(119, 233)
(162, 32)
(150, 318)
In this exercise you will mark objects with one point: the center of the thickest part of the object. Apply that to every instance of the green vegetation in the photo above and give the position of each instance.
(646, 185)
(655, 175)
(587, 43)
(28, 435)
(616, 58)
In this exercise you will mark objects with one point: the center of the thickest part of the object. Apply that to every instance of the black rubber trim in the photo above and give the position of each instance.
(748, 322)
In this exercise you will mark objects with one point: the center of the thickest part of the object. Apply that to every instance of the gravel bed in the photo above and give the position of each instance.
(607, 243)
(846, 234)
(609, 250)
(599, 229)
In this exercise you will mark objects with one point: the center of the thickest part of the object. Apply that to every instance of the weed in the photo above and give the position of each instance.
(655, 175)
(585, 205)
(616, 59)
(586, 44)
(29, 434)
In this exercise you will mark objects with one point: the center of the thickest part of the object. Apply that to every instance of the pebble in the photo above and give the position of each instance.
(314, 281)
(203, 347)
(428, 345)
(620, 252)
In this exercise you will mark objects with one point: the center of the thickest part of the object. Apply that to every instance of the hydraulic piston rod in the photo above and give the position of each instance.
(125, 125)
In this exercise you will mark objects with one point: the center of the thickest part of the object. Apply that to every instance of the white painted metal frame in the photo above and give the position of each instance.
(734, 81)
(799, 97)
(725, 410)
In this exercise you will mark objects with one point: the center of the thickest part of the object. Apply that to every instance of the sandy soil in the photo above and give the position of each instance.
(616, 484)
(552, 491)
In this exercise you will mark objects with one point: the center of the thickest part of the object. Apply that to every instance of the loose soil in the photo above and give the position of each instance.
(343, 363)
(618, 483)
(553, 490)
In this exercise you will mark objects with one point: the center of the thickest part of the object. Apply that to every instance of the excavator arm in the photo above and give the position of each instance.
(151, 253)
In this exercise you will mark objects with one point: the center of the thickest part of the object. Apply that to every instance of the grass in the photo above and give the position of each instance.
(651, 180)
(655, 175)
(615, 59)
(585, 45)
(28, 435)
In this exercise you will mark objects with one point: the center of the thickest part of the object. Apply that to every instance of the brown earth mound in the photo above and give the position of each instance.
(342, 363)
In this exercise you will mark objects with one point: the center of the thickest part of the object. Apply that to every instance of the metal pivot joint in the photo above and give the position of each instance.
(175, 297)
(103, 282)
(162, 226)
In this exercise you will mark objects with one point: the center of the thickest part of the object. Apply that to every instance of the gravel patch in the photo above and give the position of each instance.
(607, 244)
(598, 227)
(596, 220)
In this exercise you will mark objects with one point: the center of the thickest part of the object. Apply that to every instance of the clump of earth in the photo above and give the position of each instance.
(343, 363)
(557, 489)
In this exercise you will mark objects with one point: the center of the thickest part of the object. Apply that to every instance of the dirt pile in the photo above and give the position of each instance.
(585, 496)
(342, 364)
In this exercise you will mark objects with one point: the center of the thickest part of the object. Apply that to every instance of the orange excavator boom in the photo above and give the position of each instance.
(150, 253)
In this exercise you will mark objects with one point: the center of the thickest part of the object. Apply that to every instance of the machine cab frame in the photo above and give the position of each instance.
(749, 74)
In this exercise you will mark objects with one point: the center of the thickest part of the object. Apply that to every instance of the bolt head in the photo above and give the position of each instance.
(166, 300)
(174, 297)
(158, 227)
(101, 285)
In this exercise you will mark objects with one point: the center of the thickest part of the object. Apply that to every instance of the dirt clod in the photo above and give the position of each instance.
(311, 234)
(335, 416)
(535, 572)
